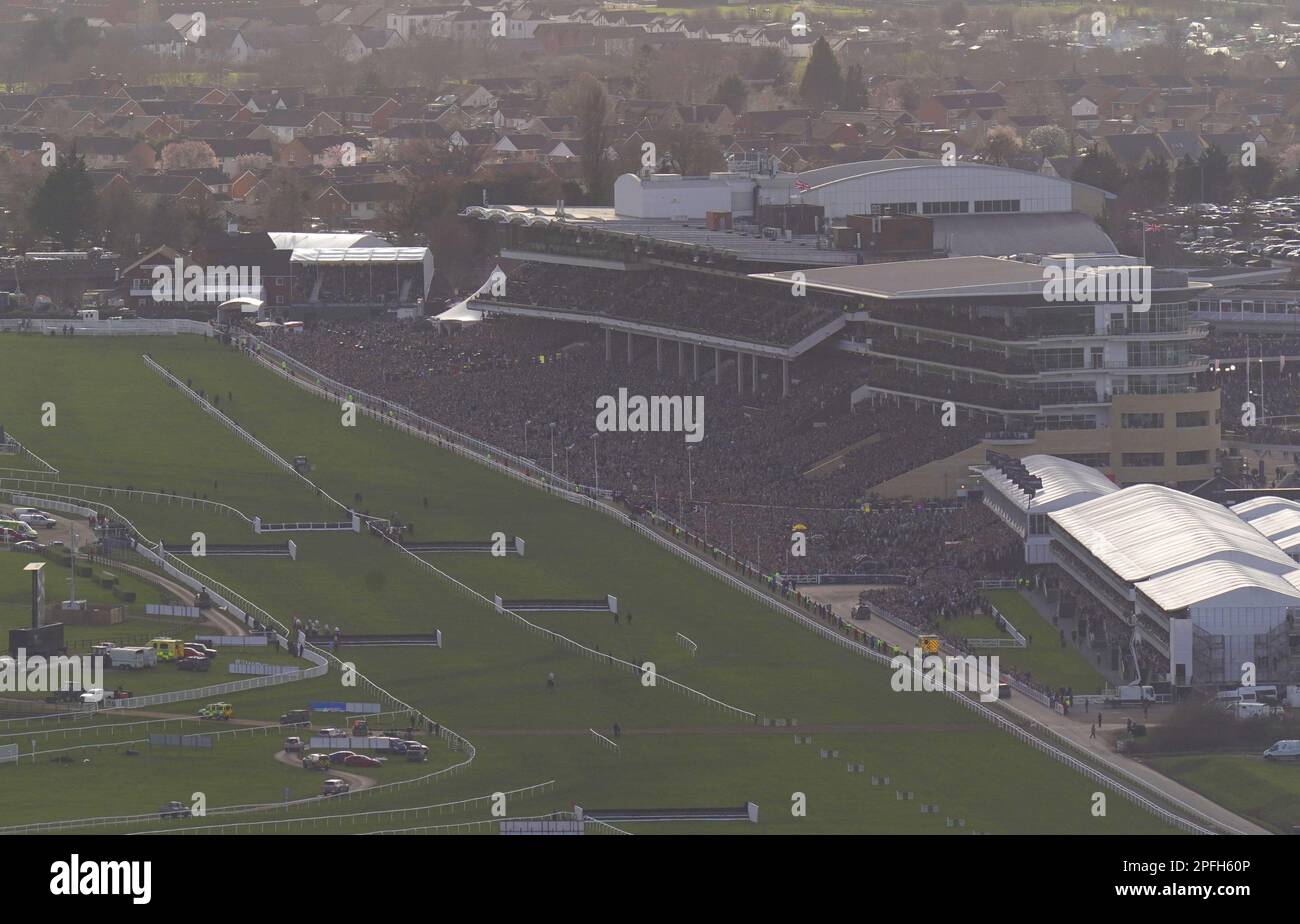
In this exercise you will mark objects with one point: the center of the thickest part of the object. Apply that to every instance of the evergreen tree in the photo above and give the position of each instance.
(732, 93)
(822, 81)
(1098, 168)
(64, 207)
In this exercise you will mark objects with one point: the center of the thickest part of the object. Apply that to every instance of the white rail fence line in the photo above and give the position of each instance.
(607, 743)
(353, 818)
(23, 450)
(83, 490)
(135, 327)
(821, 630)
(569, 820)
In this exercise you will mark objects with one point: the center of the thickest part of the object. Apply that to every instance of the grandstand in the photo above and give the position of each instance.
(1188, 589)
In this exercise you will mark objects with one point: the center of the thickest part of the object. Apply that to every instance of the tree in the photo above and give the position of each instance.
(1049, 141)
(64, 206)
(822, 82)
(953, 14)
(188, 155)
(283, 204)
(769, 64)
(1255, 182)
(1187, 181)
(1215, 178)
(587, 99)
(1149, 183)
(854, 94)
(690, 151)
(732, 93)
(1001, 145)
(1098, 168)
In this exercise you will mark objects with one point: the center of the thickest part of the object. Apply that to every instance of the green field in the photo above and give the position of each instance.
(1049, 661)
(1266, 791)
(488, 681)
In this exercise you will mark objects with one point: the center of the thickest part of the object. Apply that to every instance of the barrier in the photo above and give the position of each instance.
(164, 609)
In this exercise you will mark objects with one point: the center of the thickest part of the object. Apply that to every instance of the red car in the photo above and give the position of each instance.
(362, 760)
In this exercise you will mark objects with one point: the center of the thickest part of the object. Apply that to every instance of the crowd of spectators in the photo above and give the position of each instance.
(401, 283)
(766, 463)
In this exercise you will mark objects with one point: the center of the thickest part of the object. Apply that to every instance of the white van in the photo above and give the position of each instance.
(1252, 710)
(1284, 750)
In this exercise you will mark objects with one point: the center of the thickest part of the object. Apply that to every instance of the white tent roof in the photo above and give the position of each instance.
(1227, 583)
(1065, 483)
(352, 255)
(292, 240)
(1275, 517)
(1148, 530)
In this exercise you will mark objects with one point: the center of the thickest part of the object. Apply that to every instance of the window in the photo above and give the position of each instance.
(1095, 459)
(1142, 459)
(1142, 422)
(893, 208)
(997, 205)
(945, 208)
(1194, 457)
(1193, 418)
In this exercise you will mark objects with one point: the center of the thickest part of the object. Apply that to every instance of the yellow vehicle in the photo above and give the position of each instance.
(219, 711)
(169, 649)
(929, 644)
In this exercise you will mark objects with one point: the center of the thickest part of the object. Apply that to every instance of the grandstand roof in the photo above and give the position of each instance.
(1275, 517)
(838, 173)
(359, 254)
(913, 279)
(1065, 483)
(1227, 583)
(1019, 232)
(1148, 531)
(292, 240)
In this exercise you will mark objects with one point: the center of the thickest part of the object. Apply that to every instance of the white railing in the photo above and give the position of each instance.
(607, 743)
(83, 491)
(138, 327)
(353, 818)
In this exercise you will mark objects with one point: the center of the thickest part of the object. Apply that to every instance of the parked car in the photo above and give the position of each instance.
(206, 650)
(416, 752)
(295, 717)
(293, 745)
(39, 520)
(27, 545)
(193, 663)
(362, 760)
(334, 787)
(174, 810)
(315, 762)
(333, 733)
(340, 757)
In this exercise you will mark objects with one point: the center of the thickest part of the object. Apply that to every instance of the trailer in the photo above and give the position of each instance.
(1132, 694)
(132, 658)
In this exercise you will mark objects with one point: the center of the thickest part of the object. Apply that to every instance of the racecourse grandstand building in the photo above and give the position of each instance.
(1180, 587)
(1109, 383)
